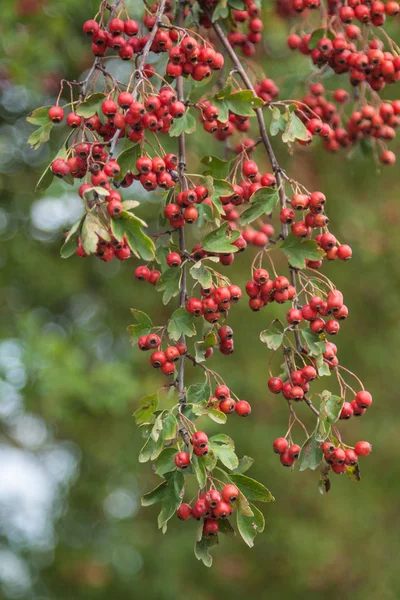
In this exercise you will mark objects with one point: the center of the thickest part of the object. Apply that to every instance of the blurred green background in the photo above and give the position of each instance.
(71, 526)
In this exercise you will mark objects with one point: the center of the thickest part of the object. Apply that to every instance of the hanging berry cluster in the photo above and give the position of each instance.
(349, 43)
(115, 142)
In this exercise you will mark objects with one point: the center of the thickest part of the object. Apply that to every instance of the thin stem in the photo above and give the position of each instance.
(182, 243)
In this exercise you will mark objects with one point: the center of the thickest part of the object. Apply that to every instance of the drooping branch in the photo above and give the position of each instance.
(181, 232)
(270, 151)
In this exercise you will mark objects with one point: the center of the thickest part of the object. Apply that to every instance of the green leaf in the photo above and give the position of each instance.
(130, 204)
(226, 528)
(199, 470)
(197, 393)
(172, 498)
(147, 406)
(226, 455)
(127, 161)
(244, 464)
(295, 130)
(169, 283)
(186, 124)
(298, 250)
(313, 342)
(311, 454)
(202, 549)
(243, 103)
(273, 337)
(202, 274)
(142, 325)
(263, 202)
(39, 116)
(151, 449)
(215, 415)
(278, 123)
(40, 136)
(92, 229)
(252, 489)
(322, 367)
(130, 225)
(221, 188)
(155, 495)
(248, 527)
(222, 438)
(181, 323)
(217, 240)
(209, 341)
(70, 244)
(237, 4)
(90, 106)
(331, 407)
(165, 462)
(170, 426)
(221, 11)
(354, 472)
(215, 166)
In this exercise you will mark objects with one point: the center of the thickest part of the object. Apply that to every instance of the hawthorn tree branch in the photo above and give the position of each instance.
(181, 232)
(270, 151)
(97, 61)
(139, 71)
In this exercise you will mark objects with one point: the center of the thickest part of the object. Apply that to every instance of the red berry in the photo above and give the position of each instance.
(362, 448)
(210, 528)
(200, 439)
(363, 399)
(243, 408)
(222, 392)
(142, 273)
(173, 259)
(56, 114)
(286, 459)
(294, 451)
(230, 493)
(275, 385)
(184, 512)
(182, 460)
(280, 445)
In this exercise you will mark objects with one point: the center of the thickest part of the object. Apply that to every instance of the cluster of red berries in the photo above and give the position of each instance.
(129, 117)
(106, 251)
(183, 209)
(252, 26)
(143, 273)
(209, 114)
(259, 238)
(345, 11)
(287, 454)
(297, 387)
(189, 58)
(222, 400)
(316, 309)
(356, 407)
(163, 360)
(186, 56)
(216, 301)
(87, 157)
(321, 117)
(340, 459)
(262, 290)
(210, 506)
(154, 172)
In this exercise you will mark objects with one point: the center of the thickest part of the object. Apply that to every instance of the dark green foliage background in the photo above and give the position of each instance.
(86, 382)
